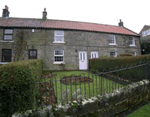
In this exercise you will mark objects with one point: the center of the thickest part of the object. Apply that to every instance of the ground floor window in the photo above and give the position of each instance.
(134, 53)
(32, 54)
(58, 55)
(94, 54)
(113, 54)
(6, 55)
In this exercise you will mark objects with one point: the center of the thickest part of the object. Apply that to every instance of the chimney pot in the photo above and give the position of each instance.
(5, 12)
(44, 14)
(120, 23)
(44, 9)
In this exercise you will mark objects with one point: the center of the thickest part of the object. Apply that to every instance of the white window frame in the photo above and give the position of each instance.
(94, 52)
(114, 39)
(134, 53)
(59, 62)
(55, 35)
(133, 41)
(115, 53)
(146, 32)
(8, 34)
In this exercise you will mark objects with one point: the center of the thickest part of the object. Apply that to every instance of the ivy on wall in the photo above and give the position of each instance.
(20, 45)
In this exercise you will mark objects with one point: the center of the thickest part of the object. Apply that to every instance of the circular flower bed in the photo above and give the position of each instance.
(68, 80)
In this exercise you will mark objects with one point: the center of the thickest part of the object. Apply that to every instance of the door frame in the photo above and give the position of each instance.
(86, 60)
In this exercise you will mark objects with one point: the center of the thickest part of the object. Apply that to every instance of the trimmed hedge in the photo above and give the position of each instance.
(106, 64)
(18, 85)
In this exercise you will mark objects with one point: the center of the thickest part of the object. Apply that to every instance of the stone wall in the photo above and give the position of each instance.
(43, 39)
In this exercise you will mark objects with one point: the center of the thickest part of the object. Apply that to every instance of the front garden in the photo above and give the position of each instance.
(86, 85)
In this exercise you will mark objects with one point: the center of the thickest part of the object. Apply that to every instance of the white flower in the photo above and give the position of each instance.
(146, 81)
(141, 83)
(74, 101)
(65, 107)
(59, 106)
(90, 100)
(84, 101)
(94, 98)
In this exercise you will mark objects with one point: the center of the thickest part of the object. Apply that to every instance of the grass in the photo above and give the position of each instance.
(88, 90)
(141, 112)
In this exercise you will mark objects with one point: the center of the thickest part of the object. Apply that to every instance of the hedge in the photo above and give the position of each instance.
(18, 85)
(107, 64)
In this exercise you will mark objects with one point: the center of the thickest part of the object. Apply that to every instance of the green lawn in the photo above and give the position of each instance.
(99, 85)
(141, 112)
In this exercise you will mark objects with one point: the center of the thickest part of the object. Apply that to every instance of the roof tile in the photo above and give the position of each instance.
(62, 24)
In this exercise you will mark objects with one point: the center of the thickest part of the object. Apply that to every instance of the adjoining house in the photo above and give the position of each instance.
(63, 44)
(145, 34)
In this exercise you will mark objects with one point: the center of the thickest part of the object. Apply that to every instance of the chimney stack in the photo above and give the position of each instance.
(5, 12)
(120, 23)
(44, 14)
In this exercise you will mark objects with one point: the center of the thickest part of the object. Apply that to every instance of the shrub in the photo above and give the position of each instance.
(123, 55)
(106, 64)
(18, 85)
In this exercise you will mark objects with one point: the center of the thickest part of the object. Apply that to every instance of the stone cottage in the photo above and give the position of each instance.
(62, 44)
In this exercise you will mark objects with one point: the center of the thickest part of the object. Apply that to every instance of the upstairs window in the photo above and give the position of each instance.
(58, 56)
(113, 54)
(8, 34)
(146, 32)
(131, 41)
(6, 55)
(112, 40)
(32, 54)
(59, 36)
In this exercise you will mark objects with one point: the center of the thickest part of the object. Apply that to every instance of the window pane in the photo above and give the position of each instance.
(83, 56)
(32, 54)
(6, 52)
(7, 37)
(59, 58)
(112, 54)
(59, 32)
(6, 55)
(130, 40)
(59, 38)
(95, 55)
(8, 31)
(58, 52)
(7, 58)
(111, 39)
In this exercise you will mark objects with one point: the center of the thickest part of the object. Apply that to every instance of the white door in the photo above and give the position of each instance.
(82, 60)
(94, 54)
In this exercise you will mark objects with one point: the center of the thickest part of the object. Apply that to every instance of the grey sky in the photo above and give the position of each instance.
(134, 13)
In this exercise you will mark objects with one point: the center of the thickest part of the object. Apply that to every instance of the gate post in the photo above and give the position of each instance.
(148, 71)
(89, 64)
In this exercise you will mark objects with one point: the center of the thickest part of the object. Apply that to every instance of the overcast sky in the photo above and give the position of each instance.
(134, 13)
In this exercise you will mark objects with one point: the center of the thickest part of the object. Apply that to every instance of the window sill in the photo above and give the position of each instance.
(2, 63)
(132, 45)
(58, 62)
(59, 42)
(6, 41)
(113, 44)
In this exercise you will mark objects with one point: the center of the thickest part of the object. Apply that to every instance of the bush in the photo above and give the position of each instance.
(18, 85)
(124, 55)
(106, 64)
